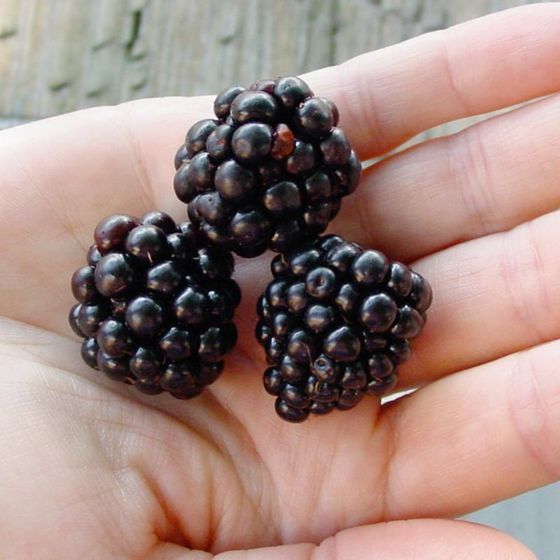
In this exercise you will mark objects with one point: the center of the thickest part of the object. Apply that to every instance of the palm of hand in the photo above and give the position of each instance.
(217, 472)
(92, 470)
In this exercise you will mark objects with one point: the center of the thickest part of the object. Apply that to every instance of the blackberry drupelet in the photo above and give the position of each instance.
(155, 305)
(270, 171)
(335, 323)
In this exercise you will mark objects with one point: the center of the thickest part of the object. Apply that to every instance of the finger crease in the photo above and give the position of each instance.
(470, 171)
(523, 271)
(360, 106)
(136, 159)
(449, 66)
(390, 415)
(530, 413)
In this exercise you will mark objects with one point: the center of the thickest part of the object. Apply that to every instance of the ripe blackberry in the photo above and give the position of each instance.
(335, 323)
(155, 305)
(270, 171)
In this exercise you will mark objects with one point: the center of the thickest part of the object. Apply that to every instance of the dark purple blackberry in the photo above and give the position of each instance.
(335, 323)
(155, 304)
(270, 172)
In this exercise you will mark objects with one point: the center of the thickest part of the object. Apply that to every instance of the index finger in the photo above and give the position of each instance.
(389, 95)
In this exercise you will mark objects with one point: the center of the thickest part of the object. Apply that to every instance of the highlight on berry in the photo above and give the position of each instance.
(269, 172)
(155, 305)
(335, 324)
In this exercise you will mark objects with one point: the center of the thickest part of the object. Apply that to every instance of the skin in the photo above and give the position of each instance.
(93, 470)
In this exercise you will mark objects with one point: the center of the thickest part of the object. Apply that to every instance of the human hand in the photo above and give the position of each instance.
(93, 470)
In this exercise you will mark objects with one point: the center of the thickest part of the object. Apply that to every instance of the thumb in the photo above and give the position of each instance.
(417, 539)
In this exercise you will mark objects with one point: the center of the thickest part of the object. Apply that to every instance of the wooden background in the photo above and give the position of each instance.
(60, 55)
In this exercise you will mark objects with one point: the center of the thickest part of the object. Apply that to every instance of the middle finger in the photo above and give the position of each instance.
(485, 179)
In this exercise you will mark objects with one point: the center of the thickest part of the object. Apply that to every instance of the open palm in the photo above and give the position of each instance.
(93, 470)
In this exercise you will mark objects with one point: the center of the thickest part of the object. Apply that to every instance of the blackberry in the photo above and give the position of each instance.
(335, 323)
(270, 171)
(155, 305)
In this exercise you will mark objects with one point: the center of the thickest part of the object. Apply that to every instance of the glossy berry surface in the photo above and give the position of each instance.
(270, 171)
(335, 323)
(155, 303)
